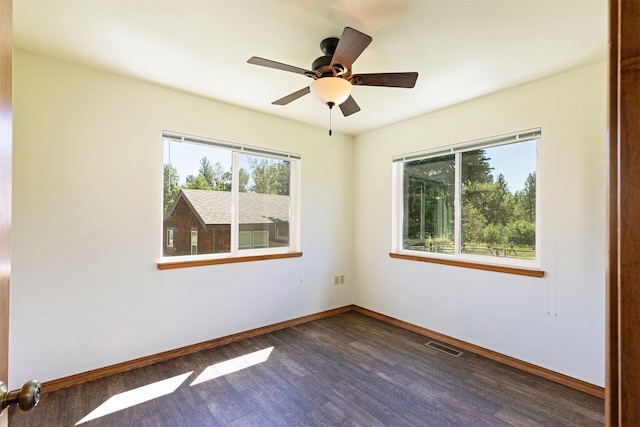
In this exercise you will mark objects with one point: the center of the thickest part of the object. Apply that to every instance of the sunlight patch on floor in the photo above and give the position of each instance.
(161, 388)
(136, 396)
(233, 365)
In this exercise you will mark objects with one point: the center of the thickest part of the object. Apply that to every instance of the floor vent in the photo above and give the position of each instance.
(443, 348)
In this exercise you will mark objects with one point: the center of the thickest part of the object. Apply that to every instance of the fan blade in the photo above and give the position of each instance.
(292, 96)
(407, 80)
(349, 106)
(279, 66)
(351, 45)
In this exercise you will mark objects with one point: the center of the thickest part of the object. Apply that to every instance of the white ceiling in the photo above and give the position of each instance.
(461, 49)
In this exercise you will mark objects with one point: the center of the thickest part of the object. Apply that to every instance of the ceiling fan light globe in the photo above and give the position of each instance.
(331, 90)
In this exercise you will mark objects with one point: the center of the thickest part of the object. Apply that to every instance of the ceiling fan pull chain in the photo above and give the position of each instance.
(330, 120)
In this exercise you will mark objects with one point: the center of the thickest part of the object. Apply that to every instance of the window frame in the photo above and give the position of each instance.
(237, 254)
(460, 259)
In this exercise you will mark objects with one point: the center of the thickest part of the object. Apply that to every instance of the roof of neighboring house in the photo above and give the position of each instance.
(214, 207)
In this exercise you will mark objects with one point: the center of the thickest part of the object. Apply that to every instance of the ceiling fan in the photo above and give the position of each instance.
(332, 74)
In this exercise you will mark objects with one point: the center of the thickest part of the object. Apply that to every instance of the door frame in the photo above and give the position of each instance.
(6, 136)
(622, 388)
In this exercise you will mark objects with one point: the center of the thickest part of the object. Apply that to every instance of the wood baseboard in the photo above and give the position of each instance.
(557, 377)
(50, 386)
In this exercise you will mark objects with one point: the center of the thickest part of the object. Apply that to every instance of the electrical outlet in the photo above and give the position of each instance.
(342, 279)
(336, 280)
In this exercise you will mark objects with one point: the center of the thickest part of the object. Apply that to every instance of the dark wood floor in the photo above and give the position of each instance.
(348, 369)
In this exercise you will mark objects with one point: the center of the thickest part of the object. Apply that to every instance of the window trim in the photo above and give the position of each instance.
(237, 254)
(232, 146)
(522, 271)
(506, 265)
(170, 264)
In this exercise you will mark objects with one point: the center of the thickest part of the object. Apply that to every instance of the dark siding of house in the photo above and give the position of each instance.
(221, 237)
(183, 220)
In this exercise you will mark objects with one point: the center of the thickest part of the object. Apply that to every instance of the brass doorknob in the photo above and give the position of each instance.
(26, 398)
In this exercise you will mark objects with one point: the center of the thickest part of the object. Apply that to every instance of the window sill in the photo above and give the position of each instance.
(522, 271)
(167, 265)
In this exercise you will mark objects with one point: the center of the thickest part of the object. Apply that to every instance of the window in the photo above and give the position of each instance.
(244, 239)
(227, 200)
(253, 239)
(282, 231)
(194, 241)
(475, 201)
(261, 239)
(169, 237)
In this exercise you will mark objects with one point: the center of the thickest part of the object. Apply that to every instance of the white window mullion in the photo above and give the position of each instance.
(235, 201)
(397, 208)
(294, 205)
(457, 205)
(538, 204)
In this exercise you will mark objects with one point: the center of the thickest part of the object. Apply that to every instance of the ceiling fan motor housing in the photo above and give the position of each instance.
(322, 65)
